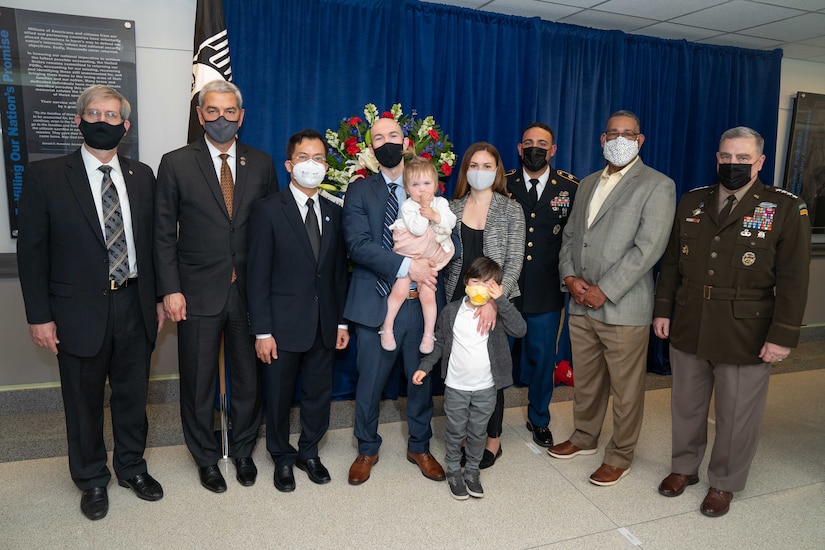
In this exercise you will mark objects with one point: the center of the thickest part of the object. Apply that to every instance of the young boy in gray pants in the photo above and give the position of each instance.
(478, 364)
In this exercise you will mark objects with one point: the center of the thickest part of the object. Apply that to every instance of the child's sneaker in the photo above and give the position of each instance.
(427, 344)
(472, 481)
(457, 488)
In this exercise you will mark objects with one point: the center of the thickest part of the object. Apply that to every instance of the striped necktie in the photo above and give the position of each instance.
(114, 230)
(390, 215)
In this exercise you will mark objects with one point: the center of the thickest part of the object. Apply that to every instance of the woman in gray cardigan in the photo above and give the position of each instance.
(489, 224)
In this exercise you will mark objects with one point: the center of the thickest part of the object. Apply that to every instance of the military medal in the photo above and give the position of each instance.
(761, 235)
(762, 218)
(561, 201)
(685, 249)
(745, 233)
(749, 258)
(556, 229)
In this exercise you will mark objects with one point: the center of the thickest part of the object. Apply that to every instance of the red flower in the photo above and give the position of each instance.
(361, 172)
(441, 188)
(447, 169)
(433, 134)
(355, 121)
(426, 156)
(352, 145)
(387, 114)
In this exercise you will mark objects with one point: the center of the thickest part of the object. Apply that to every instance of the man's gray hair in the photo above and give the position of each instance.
(744, 132)
(221, 87)
(97, 92)
(628, 114)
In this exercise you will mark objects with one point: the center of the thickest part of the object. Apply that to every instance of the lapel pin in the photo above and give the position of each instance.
(243, 161)
(131, 173)
(326, 218)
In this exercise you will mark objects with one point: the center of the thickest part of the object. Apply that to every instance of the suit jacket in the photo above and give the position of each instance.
(618, 251)
(509, 323)
(539, 281)
(61, 253)
(290, 294)
(196, 244)
(503, 242)
(363, 217)
(737, 285)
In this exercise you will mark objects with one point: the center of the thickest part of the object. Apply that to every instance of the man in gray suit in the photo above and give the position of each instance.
(618, 229)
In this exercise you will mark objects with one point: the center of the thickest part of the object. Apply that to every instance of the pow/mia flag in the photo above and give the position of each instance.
(211, 56)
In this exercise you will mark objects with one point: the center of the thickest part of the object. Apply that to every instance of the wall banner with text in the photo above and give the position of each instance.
(805, 163)
(47, 60)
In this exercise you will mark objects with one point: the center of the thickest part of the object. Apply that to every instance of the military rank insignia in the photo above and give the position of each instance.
(562, 200)
(749, 258)
(762, 218)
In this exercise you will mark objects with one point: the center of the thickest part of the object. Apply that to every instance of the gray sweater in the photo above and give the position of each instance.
(509, 322)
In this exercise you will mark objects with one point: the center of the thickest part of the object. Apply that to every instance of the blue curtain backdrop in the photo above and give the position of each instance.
(484, 76)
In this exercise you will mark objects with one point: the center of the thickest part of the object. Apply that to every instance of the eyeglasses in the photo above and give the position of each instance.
(302, 157)
(627, 134)
(94, 114)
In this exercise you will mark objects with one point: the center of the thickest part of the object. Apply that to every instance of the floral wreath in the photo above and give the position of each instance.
(350, 158)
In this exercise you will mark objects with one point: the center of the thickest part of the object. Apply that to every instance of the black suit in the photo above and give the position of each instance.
(300, 302)
(64, 273)
(197, 246)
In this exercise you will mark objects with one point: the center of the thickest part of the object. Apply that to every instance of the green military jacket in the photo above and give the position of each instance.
(731, 288)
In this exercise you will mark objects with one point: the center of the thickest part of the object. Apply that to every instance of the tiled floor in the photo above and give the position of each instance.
(532, 501)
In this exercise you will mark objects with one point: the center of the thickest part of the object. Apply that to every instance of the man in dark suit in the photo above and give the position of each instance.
(297, 273)
(546, 196)
(374, 271)
(84, 255)
(204, 199)
(735, 280)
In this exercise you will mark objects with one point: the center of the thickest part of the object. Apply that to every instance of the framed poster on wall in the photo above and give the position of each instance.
(805, 164)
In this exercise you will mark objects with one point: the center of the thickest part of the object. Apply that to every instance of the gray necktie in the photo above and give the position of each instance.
(313, 231)
(115, 232)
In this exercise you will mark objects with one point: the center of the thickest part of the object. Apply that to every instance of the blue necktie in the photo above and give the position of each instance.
(390, 215)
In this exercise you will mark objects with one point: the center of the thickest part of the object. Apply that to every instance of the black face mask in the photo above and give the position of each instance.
(734, 176)
(102, 135)
(534, 158)
(389, 155)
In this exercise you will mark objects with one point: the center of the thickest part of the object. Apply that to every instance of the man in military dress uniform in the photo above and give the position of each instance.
(546, 195)
(736, 272)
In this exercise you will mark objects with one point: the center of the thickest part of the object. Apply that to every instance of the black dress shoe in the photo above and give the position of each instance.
(144, 486)
(315, 470)
(541, 435)
(284, 480)
(246, 472)
(488, 458)
(94, 503)
(212, 478)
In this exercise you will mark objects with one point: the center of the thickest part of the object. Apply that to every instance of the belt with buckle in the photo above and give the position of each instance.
(126, 282)
(412, 295)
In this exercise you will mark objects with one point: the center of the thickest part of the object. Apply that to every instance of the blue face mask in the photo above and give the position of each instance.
(221, 130)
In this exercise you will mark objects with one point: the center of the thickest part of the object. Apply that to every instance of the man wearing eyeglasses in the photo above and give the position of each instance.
(204, 200)
(297, 289)
(618, 230)
(84, 254)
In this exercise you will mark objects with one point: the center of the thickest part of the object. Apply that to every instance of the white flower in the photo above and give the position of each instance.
(332, 139)
(446, 158)
(366, 159)
(426, 126)
(396, 111)
(370, 113)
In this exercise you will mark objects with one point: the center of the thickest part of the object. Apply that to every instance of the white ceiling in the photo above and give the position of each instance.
(796, 26)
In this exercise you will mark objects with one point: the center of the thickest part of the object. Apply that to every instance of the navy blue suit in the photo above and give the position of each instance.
(364, 210)
(300, 302)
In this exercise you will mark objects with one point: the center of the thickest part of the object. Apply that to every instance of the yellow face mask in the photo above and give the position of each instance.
(479, 295)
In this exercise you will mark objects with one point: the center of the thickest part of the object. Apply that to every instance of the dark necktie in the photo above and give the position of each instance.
(115, 232)
(313, 231)
(228, 191)
(534, 191)
(726, 210)
(390, 215)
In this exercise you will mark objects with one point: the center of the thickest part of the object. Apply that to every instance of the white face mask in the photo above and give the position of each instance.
(620, 151)
(309, 173)
(481, 179)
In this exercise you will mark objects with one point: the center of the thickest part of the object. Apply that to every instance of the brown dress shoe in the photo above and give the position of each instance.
(568, 450)
(674, 484)
(608, 475)
(716, 503)
(359, 472)
(428, 464)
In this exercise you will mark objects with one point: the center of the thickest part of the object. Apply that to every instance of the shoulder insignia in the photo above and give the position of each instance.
(803, 209)
(567, 175)
(510, 173)
(700, 188)
(783, 192)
